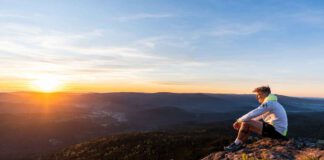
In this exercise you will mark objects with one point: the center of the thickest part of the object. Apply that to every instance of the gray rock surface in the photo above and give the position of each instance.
(266, 148)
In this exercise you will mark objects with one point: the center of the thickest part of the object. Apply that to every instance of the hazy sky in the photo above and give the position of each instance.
(163, 45)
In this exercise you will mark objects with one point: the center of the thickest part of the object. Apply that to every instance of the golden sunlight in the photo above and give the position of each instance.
(46, 84)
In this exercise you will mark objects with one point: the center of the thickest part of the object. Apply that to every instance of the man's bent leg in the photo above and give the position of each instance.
(248, 127)
(245, 128)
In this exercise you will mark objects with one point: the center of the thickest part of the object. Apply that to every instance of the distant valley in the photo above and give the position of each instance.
(36, 123)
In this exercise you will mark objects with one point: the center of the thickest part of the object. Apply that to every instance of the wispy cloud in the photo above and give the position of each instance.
(237, 29)
(6, 15)
(308, 16)
(43, 51)
(141, 16)
(9, 15)
(182, 83)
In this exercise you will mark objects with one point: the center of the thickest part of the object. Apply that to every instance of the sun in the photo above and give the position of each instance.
(46, 84)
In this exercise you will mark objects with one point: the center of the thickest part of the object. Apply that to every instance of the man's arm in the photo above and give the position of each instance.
(258, 117)
(263, 108)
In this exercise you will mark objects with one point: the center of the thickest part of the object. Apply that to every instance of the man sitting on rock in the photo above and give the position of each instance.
(268, 120)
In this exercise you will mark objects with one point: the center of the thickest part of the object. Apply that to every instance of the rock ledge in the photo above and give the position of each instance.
(296, 148)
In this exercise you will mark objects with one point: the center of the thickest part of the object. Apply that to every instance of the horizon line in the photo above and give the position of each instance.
(219, 93)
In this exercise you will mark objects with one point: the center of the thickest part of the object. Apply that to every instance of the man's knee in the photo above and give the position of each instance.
(245, 125)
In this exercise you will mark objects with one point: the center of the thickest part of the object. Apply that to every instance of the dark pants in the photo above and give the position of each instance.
(269, 131)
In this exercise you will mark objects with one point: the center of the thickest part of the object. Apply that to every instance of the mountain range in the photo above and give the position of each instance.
(37, 123)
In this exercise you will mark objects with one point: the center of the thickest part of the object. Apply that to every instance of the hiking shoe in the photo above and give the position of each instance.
(233, 147)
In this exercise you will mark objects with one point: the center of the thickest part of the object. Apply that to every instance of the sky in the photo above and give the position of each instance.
(162, 46)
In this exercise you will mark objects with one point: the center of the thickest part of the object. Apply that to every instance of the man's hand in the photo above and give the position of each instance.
(237, 125)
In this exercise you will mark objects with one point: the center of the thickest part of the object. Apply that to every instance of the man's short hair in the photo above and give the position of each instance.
(263, 89)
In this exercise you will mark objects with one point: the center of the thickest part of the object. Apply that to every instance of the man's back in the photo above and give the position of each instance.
(276, 116)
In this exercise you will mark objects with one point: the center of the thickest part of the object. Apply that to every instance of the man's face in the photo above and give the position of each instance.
(260, 96)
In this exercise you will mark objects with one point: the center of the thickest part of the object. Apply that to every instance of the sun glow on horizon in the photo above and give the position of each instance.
(46, 84)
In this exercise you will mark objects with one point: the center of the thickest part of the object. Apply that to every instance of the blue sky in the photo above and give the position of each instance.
(169, 45)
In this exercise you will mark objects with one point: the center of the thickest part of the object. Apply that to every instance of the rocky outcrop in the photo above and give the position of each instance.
(296, 148)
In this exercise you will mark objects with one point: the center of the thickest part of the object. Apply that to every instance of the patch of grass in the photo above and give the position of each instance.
(246, 157)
